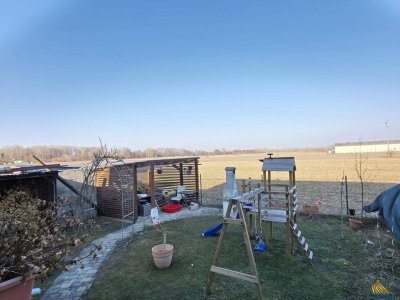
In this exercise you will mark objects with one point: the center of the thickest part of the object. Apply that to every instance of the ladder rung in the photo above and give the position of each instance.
(302, 241)
(233, 221)
(295, 202)
(299, 234)
(311, 255)
(295, 226)
(306, 247)
(234, 274)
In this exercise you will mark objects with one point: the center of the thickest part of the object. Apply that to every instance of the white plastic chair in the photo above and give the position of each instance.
(178, 197)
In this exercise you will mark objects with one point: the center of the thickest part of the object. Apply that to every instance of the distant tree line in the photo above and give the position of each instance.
(10, 154)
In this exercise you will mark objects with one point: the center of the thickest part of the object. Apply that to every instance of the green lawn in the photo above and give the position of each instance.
(343, 269)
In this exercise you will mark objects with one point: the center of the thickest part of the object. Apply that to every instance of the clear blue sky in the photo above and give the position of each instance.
(198, 74)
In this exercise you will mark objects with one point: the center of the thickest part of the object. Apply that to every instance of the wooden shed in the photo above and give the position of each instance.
(41, 180)
(43, 185)
(117, 185)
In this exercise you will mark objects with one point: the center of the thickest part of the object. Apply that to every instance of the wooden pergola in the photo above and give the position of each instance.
(166, 173)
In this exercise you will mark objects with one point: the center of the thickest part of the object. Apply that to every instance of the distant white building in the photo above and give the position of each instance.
(368, 147)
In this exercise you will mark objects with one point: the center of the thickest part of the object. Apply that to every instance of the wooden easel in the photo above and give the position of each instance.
(241, 221)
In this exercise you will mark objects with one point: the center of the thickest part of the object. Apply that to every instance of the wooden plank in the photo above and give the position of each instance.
(181, 174)
(276, 185)
(276, 219)
(234, 274)
(135, 186)
(275, 192)
(233, 221)
(152, 187)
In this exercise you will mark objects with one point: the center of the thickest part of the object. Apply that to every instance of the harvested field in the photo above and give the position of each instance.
(318, 176)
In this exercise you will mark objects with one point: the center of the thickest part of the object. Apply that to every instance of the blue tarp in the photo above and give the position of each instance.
(388, 204)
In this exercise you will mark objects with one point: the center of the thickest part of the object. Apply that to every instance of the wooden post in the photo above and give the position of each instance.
(181, 173)
(152, 187)
(196, 174)
(265, 180)
(135, 198)
(287, 224)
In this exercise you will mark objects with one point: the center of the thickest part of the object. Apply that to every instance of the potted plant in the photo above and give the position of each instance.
(32, 241)
(162, 253)
(310, 208)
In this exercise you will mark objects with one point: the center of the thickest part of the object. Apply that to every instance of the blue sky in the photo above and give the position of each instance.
(199, 74)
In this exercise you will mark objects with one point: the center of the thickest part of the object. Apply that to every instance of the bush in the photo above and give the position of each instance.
(31, 241)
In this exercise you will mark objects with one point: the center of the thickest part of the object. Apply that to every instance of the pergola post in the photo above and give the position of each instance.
(135, 199)
(196, 174)
(181, 173)
(152, 187)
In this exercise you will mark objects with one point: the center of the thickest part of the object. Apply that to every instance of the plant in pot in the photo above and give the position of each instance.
(162, 253)
(310, 208)
(34, 240)
(31, 242)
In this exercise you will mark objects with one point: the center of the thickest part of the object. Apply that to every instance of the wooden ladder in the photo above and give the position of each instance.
(302, 241)
(231, 273)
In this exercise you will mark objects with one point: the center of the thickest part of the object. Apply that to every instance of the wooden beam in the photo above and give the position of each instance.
(181, 173)
(152, 187)
(62, 180)
(196, 175)
(135, 198)
(234, 274)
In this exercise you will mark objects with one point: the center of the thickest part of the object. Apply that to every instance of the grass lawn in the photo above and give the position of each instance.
(343, 269)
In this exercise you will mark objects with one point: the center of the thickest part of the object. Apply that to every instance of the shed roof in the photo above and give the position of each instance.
(279, 164)
(33, 169)
(157, 162)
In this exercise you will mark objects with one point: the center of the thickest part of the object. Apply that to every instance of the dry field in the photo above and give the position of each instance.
(318, 176)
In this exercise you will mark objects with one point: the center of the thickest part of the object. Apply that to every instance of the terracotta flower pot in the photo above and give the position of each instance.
(310, 208)
(162, 255)
(355, 224)
(16, 289)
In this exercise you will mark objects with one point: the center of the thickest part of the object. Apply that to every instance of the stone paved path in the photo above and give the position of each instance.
(74, 283)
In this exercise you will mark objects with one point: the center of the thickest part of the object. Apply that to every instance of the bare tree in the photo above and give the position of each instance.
(361, 168)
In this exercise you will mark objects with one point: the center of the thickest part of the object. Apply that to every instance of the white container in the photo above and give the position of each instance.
(194, 206)
(230, 188)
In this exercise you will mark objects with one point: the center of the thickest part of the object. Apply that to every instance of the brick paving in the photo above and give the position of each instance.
(74, 283)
